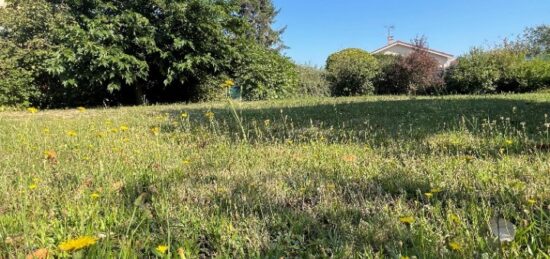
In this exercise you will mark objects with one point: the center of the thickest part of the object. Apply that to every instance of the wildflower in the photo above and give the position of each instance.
(161, 249)
(209, 115)
(406, 220)
(547, 125)
(404, 257)
(71, 133)
(184, 115)
(508, 142)
(95, 196)
(46, 131)
(81, 109)
(454, 218)
(33, 186)
(123, 128)
(455, 246)
(429, 195)
(77, 244)
(50, 155)
(32, 110)
(228, 83)
(155, 131)
(185, 162)
(531, 202)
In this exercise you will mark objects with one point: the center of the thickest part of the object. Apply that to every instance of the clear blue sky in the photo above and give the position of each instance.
(317, 28)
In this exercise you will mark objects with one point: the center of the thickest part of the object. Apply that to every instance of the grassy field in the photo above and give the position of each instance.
(365, 177)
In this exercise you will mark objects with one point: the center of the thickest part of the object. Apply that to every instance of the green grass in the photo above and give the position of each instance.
(316, 177)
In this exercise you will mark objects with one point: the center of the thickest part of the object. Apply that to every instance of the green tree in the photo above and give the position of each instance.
(261, 14)
(537, 40)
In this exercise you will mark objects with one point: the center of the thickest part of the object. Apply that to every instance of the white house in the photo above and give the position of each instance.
(404, 49)
(2, 3)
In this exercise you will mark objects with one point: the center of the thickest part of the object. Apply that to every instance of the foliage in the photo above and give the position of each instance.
(111, 51)
(497, 70)
(312, 81)
(16, 82)
(385, 81)
(537, 40)
(351, 72)
(261, 15)
(374, 177)
(417, 73)
(265, 74)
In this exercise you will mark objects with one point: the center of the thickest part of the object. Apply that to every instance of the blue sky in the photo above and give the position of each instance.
(317, 28)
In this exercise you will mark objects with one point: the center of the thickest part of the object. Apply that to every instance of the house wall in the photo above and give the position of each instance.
(2, 3)
(405, 51)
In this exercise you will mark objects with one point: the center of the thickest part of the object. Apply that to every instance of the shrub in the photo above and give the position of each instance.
(351, 72)
(16, 83)
(497, 70)
(266, 74)
(417, 73)
(312, 81)
(385, 83)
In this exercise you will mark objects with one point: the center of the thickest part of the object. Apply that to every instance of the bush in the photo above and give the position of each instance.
(497, 70)
(385, 83)
(351, 72)
(16, 83)
(266, 74)
(312, 81)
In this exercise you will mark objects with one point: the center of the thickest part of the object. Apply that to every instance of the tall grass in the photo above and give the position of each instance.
(348, 177)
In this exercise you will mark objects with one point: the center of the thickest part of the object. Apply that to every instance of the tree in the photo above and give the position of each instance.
(537, 40)
(261, 15)
(416, 73)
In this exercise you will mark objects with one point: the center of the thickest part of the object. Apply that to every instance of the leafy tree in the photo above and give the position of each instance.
(416, 73)
(312, 81)
(261, 15)
(351, 72)
(537, 40)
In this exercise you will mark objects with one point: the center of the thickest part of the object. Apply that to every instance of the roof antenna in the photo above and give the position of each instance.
(390, 29)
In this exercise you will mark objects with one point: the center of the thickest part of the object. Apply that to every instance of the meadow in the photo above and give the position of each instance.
(367, 177)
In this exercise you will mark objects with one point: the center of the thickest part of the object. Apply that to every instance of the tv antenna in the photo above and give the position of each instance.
(390, 29)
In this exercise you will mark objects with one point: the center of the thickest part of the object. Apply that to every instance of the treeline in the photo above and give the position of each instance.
(521, 65)
(57, 53)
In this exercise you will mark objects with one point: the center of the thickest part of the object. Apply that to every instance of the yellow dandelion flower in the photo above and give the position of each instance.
(184, 115)
(228, 83)
(95, 196)
(33, 186)
(46, 131)
(155, 131)
(32, 110)
(161, 249)
(81, 109)
(455, 246)
(454, 218)
(71, 133)
(185, 162)
(508, 142)
(77, 244)
(429, 195)
(531, 202)
(124, 128)
(209, 115)
(406, 220)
